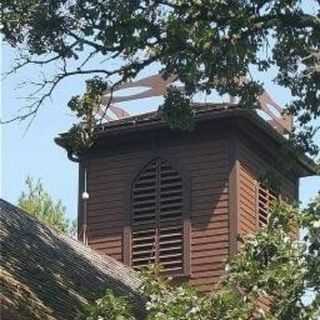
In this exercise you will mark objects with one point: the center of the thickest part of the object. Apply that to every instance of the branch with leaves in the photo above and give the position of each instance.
(36, 201)
(207, 44)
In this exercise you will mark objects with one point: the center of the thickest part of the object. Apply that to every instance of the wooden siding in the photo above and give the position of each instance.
(204, 162)
(252, 166)
(222, 171)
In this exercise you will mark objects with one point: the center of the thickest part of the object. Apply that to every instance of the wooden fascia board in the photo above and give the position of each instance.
(80, 201)
(234, 193)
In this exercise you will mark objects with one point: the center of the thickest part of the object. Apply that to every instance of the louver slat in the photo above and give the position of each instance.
(144, 218)
(157, 218)
(171, 211)
(265, 199)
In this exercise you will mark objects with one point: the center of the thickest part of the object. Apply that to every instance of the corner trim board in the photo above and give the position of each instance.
(234, 196)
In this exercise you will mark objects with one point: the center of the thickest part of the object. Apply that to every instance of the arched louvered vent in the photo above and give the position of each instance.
(158, 219)
(265, 198)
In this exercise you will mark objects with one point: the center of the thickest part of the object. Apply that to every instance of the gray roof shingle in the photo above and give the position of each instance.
(46, 275)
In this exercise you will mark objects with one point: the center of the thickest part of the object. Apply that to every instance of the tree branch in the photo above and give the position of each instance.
(123, 71)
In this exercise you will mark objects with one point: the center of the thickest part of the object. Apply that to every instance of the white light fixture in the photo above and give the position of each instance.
(85, 195)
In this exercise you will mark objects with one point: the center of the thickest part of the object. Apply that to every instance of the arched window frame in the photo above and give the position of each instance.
(186, 185)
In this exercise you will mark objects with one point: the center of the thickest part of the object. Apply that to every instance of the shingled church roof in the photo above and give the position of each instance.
(46, 275)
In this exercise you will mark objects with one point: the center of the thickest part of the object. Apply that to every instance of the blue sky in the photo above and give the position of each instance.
(33, 152)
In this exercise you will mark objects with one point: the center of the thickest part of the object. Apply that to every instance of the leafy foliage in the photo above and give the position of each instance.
(109, 307)
(38, 203)
(166, 301)
(81, 136)
(207, 44)
(272, 266)
(177, 111)
(310, 221)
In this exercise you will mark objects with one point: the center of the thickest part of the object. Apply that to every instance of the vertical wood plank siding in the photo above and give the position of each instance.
(206, 163)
